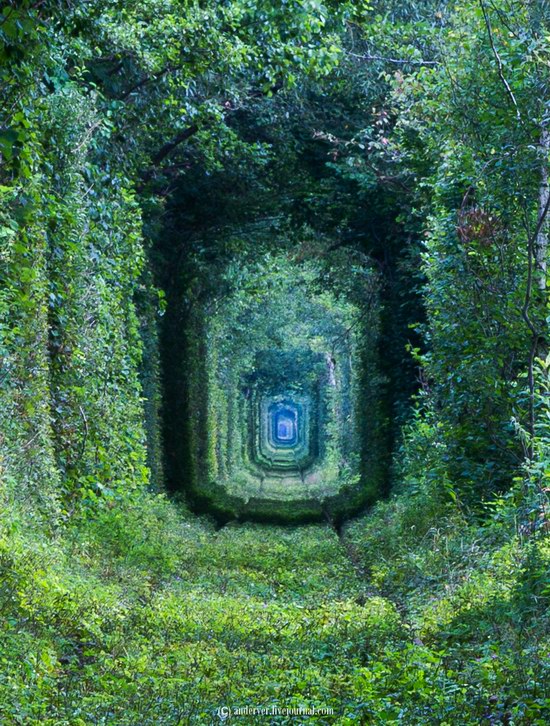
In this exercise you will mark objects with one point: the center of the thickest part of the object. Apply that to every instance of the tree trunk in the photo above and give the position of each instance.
(541, 241)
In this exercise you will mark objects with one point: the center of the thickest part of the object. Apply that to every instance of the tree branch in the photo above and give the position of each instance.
(499, 60)
(397, 61)
(163, 152)
(144, 81)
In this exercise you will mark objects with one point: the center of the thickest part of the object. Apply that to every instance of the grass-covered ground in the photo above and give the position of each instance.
(144, 615)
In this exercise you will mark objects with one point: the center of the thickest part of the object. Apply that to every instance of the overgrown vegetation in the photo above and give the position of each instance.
(173, 174)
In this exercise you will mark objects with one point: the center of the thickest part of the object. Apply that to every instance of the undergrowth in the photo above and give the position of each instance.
(143, 615)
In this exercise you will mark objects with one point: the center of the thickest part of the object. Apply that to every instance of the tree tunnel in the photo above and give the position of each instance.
(273, 403)
(292, 286)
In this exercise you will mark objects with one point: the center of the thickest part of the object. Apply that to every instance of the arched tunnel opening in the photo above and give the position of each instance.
(277, 404)
(285, 367)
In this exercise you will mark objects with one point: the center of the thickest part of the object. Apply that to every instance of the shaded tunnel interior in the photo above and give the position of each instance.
(284, 364)
(276, 405)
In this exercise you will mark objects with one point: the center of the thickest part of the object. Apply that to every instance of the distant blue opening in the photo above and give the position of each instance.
(284, 427)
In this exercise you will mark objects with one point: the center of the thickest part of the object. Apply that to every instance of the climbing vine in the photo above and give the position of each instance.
(215, 212)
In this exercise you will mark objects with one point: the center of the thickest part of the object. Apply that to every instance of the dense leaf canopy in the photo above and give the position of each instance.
(214, 210)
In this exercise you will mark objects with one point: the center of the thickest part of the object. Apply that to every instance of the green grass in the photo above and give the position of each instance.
(144, 615)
